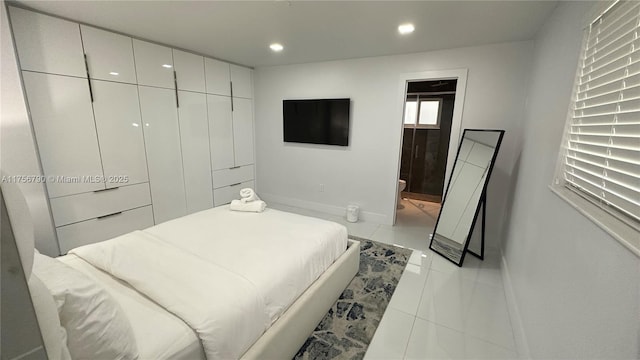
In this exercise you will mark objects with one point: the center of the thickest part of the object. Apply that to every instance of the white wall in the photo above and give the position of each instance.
(577, 289)
(18, 155)
(366, 172)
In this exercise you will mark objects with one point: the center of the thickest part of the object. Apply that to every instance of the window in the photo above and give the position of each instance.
(410, 111)
(429, 112)
(422, 113)
(600, 155)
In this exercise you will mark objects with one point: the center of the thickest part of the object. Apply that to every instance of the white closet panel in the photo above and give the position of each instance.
(194, 135)
(241, 77)
(164, 157)
(154, 64)
(243, 131)
(62, 118)
(47, 44)
(217, 76)
(109, 55)
(189, 70)
(117, 114)
(220, 132)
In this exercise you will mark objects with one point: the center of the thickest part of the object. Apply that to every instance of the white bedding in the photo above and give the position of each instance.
(279, 252)
(158, 333)
(229, 275)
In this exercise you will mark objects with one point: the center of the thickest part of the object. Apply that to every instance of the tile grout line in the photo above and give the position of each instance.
(406, 346)
(374, 231)
(514, 350)
(424, 286)
(512, 317)
(470, 335)
(415, 316)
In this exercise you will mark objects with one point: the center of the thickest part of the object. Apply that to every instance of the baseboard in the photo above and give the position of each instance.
(367, 216)
(520, 337)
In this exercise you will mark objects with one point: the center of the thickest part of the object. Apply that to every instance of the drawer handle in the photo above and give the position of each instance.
(109, 189)
(235, 184)
(109, 215)
(235, 167)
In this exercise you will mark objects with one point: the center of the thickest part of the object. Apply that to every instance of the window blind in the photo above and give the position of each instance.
(601, 160)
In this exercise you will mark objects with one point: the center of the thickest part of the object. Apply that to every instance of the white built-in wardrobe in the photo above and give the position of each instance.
(130, 133)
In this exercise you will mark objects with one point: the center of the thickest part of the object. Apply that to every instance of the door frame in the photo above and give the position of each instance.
(456, 124)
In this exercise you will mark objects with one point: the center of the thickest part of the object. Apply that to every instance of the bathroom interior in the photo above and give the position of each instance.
(428, 117)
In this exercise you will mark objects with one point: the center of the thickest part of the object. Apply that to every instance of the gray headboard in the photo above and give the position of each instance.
(19, 330)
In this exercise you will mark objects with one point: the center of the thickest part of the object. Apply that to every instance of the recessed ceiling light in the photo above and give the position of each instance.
(406, 29)
(276, 47)
(167, 66)
(114, 73)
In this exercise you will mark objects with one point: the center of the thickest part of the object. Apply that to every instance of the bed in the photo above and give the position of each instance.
(220, 284)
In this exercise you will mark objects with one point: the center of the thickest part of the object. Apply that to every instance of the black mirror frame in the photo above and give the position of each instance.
(481, 201)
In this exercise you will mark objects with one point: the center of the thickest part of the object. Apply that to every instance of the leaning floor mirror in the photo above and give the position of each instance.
(466, 194)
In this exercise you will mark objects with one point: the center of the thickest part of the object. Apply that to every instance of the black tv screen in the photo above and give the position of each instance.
(321, 121)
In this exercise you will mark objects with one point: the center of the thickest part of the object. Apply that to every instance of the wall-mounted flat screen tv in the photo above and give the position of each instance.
(318, 121)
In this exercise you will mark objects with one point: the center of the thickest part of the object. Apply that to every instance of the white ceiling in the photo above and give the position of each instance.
(241, 31)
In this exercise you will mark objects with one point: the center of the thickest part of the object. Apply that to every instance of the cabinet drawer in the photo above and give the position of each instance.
(100, 229)
(75, 208)
(224, 195)
(226, 177)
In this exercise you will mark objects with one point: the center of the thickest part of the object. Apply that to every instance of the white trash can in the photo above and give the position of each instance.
(352, 213)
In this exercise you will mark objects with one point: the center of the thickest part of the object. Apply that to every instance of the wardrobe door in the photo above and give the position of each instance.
(220, 131)
(117, 114)
(164, 157)
(47, 44)
(62, 119)
(189, 71)
(154, 64)
(243, 131)
(109, 55)
(194, 135)
(217, 76)
(241, 77)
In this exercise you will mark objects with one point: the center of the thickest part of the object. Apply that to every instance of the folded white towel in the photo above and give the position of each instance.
(248, 195)
(254, 206)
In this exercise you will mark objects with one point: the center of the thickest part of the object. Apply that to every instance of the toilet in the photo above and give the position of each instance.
(401, 186)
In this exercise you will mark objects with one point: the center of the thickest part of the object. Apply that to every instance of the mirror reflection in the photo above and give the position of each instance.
(465, 192)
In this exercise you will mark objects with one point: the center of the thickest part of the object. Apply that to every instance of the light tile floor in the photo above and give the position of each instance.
(438, 311)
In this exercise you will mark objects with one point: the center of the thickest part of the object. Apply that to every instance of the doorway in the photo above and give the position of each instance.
(448, 88)
(428, 116)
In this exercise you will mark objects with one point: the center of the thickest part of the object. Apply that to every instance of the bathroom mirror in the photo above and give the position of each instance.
(465, 194)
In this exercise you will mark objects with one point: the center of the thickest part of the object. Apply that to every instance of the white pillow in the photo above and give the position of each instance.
(96, 326)
(54, 335)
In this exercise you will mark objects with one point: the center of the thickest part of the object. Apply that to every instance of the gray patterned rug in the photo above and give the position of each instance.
(347, 329)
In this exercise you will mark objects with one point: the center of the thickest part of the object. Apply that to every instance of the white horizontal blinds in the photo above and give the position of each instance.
(602, 158)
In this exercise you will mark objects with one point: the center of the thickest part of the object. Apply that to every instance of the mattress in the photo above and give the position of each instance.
(159, 334)
(276, 253)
